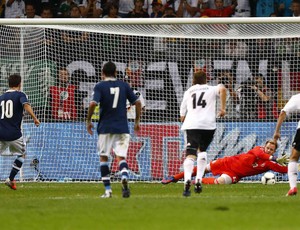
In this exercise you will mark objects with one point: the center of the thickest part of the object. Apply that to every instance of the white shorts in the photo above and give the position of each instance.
(118, 142)
(12, 148)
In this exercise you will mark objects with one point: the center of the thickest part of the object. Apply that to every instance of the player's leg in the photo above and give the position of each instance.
(204, 139)
(180, 175)
(121, 147)
(104, 147)
(223, 179)
(16, 148)
(293, 165)
(189, 162)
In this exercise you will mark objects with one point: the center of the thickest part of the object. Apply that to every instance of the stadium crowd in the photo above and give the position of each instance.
(148, 8)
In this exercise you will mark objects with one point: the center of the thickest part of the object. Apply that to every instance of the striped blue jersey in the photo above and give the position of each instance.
(11, 112)
(112, 95)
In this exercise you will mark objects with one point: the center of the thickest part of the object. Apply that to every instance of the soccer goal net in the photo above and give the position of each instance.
(256, 59)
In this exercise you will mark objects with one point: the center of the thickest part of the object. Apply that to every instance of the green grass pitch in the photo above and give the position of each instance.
(72, 206)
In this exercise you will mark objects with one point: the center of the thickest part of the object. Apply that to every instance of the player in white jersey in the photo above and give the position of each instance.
(198, 114)
(293, 105)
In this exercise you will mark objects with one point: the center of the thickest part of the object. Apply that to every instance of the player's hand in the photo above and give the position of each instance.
(276, 136)
(136, 127)
(221, 113)
(283, 160)
(89, 127)
(37, 122)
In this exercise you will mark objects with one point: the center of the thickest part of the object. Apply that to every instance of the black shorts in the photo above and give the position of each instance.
(296, 141)
(198, 139)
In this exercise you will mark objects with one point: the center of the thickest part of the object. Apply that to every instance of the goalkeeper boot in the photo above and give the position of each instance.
(125, 188)
(187, 190)
(198, 187)
(292, 192)
(11, 184)
(168, 180)
(107, 194)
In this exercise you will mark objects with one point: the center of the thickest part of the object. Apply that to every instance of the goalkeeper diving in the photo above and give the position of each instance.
(231, 169)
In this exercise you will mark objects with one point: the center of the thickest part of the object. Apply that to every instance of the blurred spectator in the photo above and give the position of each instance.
(242, 9)
(211, 3)
(65, 8)
(226, 78)
(263, 50)
(75, 12)
(220, 10)
(273, 15)
(69, 41)
(295, 8)
(91, 8)
(157, 9)
(81, 81)
(30, 11)
(183, 8)
(284, 9)
(267, 106)
(125, 6)
(50, 4)
(169, 13)
(14, 9)
(264, 8)
(251, 98)
(138, 11)
(235, 49)
(63, 97)
(295, 54)
(112, 11)
(2, 8)
(46, 12)
(148, 5)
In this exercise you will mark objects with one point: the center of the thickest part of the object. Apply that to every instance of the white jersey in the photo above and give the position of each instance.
(131, 108)
(199, 107)
(293, 105)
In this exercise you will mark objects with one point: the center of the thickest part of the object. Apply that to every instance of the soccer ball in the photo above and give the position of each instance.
(268, 178)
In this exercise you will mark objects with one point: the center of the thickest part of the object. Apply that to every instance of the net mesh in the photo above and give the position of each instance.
(158, 60)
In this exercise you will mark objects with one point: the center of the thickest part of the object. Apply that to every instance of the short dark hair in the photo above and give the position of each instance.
(199, 78)
(14, 80)
(109, 69)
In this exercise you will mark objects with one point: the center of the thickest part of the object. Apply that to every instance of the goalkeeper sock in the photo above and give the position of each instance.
(105, 175)
(188, 166)
(179, 176)
(16, 167)
(209, 180)
(293, 173)
(123, 166)
(201, 164)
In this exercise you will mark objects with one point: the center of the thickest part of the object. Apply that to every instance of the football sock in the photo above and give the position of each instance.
(188, 166)
(16, 167)
(194, 171)
(293, 173)
(201, 164)
(123, 166)
(209, 180)
(179, 176)
(105, 175)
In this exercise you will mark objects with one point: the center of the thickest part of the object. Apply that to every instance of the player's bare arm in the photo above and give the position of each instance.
(89, 124)
(280, 120)
(29, 110)
(222, 111)
(138, 110)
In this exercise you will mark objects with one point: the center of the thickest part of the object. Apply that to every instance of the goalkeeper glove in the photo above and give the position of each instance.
(283, 160)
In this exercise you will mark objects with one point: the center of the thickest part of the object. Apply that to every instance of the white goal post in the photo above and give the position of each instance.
(256, 58)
